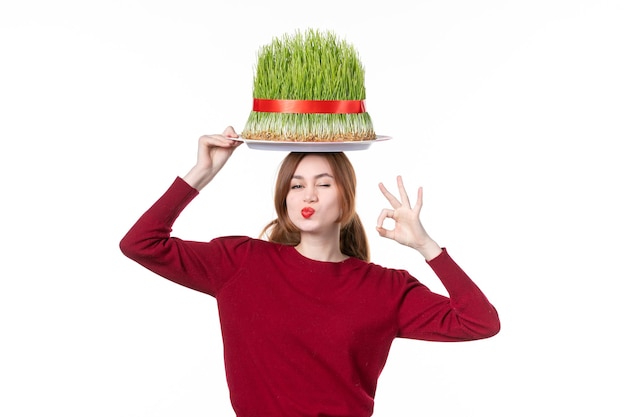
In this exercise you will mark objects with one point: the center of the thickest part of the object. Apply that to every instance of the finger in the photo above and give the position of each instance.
(217, 140)
(390, 197)
(403, 195)
(388, 234)
(384, 214)
(420, 200)
(230, 132)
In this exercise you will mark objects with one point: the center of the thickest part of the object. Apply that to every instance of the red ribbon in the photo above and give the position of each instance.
(308, 106)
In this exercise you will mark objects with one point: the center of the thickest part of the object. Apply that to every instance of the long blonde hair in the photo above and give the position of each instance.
(353, 240)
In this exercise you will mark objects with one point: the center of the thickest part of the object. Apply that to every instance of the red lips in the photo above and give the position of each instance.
(307, 212)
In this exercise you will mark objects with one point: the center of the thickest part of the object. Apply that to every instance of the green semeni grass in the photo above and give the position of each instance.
(310, 65)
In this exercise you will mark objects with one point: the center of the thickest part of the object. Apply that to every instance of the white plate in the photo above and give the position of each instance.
(266, 145)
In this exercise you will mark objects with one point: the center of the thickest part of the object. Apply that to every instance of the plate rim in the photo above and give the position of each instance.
(379, 138)
(290, 146)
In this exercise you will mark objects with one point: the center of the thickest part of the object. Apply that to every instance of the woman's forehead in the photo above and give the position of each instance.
(312, 165)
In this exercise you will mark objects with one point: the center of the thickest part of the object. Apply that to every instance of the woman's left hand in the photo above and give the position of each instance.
(408, 229)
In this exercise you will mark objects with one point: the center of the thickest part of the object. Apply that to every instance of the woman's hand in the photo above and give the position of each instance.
(408, 229)
(213, 152)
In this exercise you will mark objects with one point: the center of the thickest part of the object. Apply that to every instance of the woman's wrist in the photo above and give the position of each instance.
(198, 178)
(429, 249)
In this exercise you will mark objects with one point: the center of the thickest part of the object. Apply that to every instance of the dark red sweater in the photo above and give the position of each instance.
(304, 337)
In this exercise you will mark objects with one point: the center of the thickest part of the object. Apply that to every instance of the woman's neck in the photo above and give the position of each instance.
(321, 249)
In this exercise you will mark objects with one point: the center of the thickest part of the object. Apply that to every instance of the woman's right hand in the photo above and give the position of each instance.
(213, 152)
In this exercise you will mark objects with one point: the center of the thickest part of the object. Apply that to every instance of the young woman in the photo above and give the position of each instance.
(307, 321)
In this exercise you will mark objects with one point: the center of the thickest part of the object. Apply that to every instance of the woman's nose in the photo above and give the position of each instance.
(310, 196)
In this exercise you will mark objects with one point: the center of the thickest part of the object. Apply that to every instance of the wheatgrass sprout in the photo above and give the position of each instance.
(310, 65)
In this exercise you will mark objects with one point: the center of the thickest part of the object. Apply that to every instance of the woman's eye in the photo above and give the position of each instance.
(323, 185)
(296, 186)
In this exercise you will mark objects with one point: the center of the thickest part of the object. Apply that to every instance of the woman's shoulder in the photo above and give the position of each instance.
(240, 242)
(261, 253)
(390, 275)
(377, 267)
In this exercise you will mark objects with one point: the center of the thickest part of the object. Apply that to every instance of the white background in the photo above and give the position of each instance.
(509, 113)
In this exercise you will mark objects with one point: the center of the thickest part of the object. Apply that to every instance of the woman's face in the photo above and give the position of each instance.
(313, 202)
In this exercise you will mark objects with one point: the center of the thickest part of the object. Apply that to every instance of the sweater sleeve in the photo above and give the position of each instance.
(202, 266)
(465, 315)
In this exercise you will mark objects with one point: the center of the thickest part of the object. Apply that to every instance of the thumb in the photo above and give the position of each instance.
(382, 232)
(229, 132)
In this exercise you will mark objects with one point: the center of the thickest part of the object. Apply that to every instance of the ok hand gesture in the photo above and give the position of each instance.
(408, 229)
